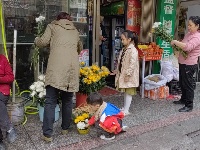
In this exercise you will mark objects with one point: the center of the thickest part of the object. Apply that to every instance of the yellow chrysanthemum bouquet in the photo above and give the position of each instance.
(92, 78)
(81, 121)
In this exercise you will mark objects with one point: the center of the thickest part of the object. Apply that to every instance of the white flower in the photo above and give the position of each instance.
(41, 95)
(86, 120)
(41, 77)
(33, 93)
(39, 85)
(39, 89)
(44, 92)
(42, 18)
(81, 125)
(156, 25)
(32, 87)
(37, 19)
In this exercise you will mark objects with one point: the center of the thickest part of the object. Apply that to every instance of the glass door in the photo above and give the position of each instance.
(78, 11)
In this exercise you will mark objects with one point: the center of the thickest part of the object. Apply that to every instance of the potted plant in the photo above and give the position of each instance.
(92, 79)
(38, 92)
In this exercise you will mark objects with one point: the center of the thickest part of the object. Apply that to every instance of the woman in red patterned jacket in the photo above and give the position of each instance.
(6, 79)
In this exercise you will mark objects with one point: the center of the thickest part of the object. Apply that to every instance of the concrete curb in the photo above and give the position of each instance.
(133, 131)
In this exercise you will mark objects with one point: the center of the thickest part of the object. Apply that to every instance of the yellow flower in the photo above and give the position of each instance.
(76, 120)
(80, 118)
(82, 71)
(95, 68)
(85, 80)
(85, 115)
(103, 68)
(89, 82)
(82, 63)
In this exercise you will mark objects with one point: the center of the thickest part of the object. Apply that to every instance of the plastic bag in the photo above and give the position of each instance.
(176, 74)
(167, 70)
(149, 84)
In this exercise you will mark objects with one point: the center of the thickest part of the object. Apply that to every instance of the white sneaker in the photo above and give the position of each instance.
(125, 128)
(103, 137)
(126, 113)
(122, 109)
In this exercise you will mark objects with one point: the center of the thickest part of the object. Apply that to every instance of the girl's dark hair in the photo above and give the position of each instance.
(195, 20)
(132, 35)
(94, 98)
(63, 15)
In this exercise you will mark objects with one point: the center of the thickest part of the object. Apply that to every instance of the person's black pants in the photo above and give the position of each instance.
(49, 109)
(187, 83)
(5, 123)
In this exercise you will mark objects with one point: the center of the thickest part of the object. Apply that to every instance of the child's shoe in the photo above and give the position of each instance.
(122, 109)
(126, 113)
(46, 139)
(108, 137)
(124, 128)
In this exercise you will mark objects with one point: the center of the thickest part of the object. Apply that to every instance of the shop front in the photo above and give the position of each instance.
(21, 14)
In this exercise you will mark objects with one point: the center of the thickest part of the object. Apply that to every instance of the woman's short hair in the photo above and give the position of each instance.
(63, 15)
(94, 98)
(195, 20)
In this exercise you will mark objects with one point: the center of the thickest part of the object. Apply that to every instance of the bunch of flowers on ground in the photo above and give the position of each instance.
(39, 32)
(82, 121)
(161, 32)
(92, 78)
(38, 90)
(82, 114)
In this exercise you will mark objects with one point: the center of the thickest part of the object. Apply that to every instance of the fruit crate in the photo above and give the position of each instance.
(150, 52)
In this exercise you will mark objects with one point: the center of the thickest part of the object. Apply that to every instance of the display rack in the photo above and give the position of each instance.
(114, 27)
(150, 53)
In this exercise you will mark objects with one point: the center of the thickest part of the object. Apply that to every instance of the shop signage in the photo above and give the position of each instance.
(84, 56)
(134, 15)
(167, 16)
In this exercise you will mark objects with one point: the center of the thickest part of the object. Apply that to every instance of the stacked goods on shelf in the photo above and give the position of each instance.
(150, 51)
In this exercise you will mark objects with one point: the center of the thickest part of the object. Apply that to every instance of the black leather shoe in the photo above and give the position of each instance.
(2, 146)
(185, 109)
(179, 102)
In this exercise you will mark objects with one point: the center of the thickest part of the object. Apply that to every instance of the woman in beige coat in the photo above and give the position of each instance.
(127, 72)
(62, 74)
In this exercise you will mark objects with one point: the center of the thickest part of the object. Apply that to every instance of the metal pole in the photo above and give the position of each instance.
(143, 72)
(94, 32)
(97, 32)
(14, 62)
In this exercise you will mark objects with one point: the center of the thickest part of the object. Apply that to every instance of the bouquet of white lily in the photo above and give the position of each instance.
(39, 32)
(161, 32)
(38, 90)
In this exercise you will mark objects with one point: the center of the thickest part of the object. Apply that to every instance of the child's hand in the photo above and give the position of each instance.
(114, 72)
(87, 125)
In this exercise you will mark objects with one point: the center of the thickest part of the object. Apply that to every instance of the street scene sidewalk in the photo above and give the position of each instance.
(146, 116)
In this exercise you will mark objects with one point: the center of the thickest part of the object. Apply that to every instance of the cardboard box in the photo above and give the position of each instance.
(158, 93)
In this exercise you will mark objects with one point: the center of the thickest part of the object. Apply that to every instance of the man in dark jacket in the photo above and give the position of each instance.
(6, 79)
